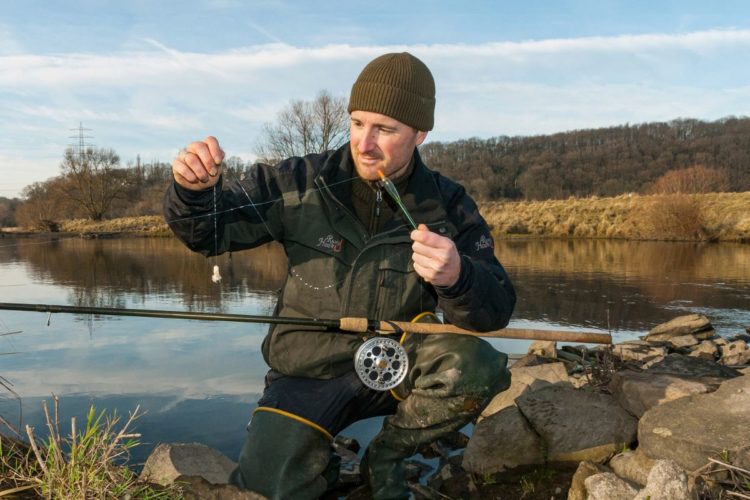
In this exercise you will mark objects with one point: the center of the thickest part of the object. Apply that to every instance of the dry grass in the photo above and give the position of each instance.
(88, 463)
(146, 225)
(697, 217)
(723, 480)
(712, 216)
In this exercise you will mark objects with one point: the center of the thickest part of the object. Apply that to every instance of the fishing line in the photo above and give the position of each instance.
(251, 204)
(216, 277)
(292, 271)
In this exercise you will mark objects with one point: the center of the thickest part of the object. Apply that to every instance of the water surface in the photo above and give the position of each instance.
(198, 381)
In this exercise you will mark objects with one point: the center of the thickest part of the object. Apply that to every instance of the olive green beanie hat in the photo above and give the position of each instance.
(399, 86)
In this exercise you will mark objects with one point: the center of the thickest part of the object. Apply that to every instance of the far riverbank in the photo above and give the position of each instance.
(675, 217)
(679, 217)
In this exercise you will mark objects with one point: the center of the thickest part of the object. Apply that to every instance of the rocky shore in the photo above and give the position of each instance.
(664, 417)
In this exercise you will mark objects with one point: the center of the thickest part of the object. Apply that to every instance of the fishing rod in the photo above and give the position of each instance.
(352, 325)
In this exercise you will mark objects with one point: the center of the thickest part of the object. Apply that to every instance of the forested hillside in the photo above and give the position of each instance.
(603, 162)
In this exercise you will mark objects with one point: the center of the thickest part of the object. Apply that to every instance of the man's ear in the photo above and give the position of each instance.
(421, 136)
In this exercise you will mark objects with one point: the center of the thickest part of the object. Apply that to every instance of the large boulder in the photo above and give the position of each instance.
(577, 425)
(691, 367)
(197, 488)
(169, 461)
(638, 350)
(502, 441)
(452, 481)
(692, 429)
(543, 348)
(708, 349)
(586, 469)
(696, 324)
(527, 378)
(634, 466)
(735, 353)
(607, 486)
(666, 481)
(639, 391)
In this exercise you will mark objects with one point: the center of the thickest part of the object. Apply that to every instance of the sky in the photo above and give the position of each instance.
(148, 77)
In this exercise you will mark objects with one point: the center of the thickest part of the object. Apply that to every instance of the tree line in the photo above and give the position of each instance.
(603, 162)
(683, 155)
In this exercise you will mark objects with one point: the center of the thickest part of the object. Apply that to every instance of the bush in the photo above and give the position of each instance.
(676, 217)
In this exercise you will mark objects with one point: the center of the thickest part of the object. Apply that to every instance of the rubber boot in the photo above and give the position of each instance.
(451, 379)
(283, 458)
(383, 468)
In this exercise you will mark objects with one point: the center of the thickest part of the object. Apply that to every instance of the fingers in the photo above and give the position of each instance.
(198, 165)
(435, 257)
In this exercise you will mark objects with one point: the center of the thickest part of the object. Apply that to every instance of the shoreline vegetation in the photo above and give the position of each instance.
(665, 217)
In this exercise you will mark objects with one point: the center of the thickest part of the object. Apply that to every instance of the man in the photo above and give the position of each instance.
(352, 253)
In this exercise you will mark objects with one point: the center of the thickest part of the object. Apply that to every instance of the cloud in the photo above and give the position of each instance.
(170, 66)
(153, 101)
(8, 42)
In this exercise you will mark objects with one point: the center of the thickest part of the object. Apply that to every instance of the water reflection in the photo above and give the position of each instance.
(628, 287)
(199, 380)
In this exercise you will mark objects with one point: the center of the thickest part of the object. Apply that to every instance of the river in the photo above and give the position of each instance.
(198, 381)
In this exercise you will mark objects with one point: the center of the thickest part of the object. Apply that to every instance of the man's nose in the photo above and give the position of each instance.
(366, 141)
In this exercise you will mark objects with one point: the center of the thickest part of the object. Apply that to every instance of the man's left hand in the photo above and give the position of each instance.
(435, 257)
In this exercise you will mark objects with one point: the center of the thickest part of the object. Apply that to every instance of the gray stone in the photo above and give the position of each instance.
(689, 367)
(585, 470)
(169, 461)
(577, 425)
(735, 353)
(527, 378)
(197, 488)
(632, 465)
(452, 481)
(651, 362)
(349, 472)
(502, 441)
(544, 348)
(639, 391)
(692, 429)
(607, 486)
(531, 360)
(666, 481)
(683, 341)
(708, 349)
(638, 350)
(682, 325)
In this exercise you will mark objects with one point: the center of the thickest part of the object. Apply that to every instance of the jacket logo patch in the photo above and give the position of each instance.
(483, 243)
(330, 243)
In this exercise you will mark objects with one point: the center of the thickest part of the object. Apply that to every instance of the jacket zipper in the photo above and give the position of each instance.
(374, 223)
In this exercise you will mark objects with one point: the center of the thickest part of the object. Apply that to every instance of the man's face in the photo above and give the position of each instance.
(379, 142)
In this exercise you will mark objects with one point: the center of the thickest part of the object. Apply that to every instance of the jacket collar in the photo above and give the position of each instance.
(422, 197)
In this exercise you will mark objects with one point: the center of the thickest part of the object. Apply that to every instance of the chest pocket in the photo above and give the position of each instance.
(402, 294)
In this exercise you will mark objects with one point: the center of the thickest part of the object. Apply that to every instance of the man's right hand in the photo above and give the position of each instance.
(198, 166)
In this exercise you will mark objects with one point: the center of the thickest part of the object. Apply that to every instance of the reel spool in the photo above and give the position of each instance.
(381, 363)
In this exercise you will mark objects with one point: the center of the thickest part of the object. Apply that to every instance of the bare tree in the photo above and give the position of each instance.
(305, 127)
(41, 206)
(92, 180)
(695, 179)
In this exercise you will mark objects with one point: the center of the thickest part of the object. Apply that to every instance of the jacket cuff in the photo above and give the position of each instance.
(201, 198)
(462, 285)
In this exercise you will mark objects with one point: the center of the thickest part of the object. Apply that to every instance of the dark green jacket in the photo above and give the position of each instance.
(336, 268)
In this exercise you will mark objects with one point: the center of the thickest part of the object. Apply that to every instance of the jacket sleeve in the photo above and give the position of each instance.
(483, 298)
(237, 214)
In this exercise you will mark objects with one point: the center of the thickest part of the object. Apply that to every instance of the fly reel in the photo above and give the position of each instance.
(381, 363)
